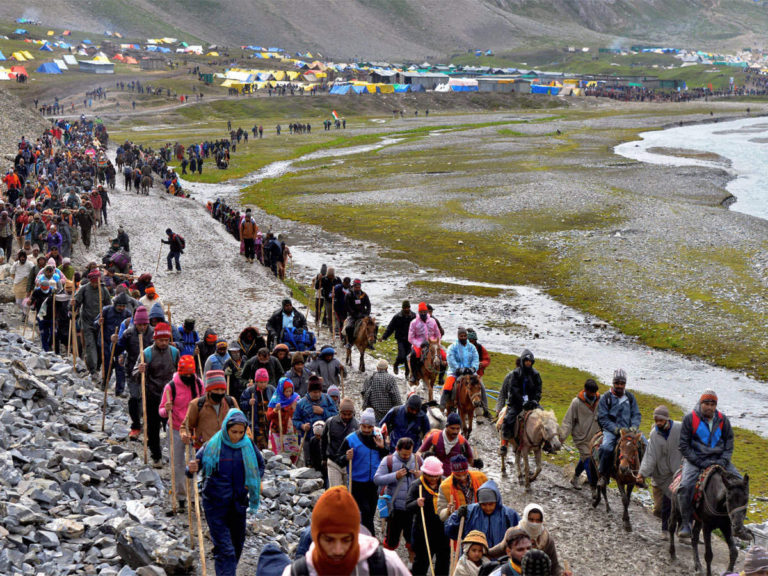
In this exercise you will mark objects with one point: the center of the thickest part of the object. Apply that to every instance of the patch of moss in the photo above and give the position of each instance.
(450, 288)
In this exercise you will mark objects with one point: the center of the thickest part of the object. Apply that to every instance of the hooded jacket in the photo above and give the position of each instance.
(421, 331)
(272, 366)
(401, 424)
(520, 384)
(304, 412)
(462, 356)
(494, 526)
(250, 350)
(203, 347)
(399, 326)
(702, 447)
(184, 395)
(368, 545)
(581, 421)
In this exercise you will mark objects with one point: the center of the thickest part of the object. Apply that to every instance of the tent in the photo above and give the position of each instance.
(4, 75)
(542, 89)
(66, 33)
(359, 89)
(101, 59)
(27, 55)
(48, 68)
(212, 54)
(61, 64)
(18, 56)
(86, 41)
(46, 48)
(118, 57)
(463, 85)
(19, 31)
(341, 89)
(402, 87)
(69, 59)
(131, 60)
(2, 56)
(50, 33)
(19, 70)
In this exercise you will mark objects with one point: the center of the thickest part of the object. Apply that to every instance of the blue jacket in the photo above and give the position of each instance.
(112, 319)
(399, 426)
(272, 561)
(304, 413)
(613, 415)
(227, 485)
(702, 447)
(494, 526)
(462, 357)
(187, 341)
(387, 478)
(366, 458)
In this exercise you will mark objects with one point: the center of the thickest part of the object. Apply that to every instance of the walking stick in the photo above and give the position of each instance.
(101, 329)
(53, 323)
(349, 475)
(426, 535)
(173, 460)
(301, 447)
(143, 394)
(106, 381)
(159, 253)
(280, 423)
(199, 526)
(69, 335)
(199, 363)
(341, 381)
(168, 313)
(189, 503)
(74, 337)
(26, 323)
(227, 384)
(455, 553)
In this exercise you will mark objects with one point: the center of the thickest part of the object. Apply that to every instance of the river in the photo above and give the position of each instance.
(742, 142)
(521, 316)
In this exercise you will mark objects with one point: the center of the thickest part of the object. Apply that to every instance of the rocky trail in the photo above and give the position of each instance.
(75, 500)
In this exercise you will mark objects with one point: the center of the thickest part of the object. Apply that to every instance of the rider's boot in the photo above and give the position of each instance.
(684, 503)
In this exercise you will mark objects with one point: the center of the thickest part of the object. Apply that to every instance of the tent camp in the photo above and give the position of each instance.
(61, 64)
(46, 48)
(48, 68)
(18, 56)
(19, 71)
(463, 85)
(70, 59)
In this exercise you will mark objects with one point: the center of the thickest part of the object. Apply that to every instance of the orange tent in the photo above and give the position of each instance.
(19, 70)
(118, 57)
(131, 60)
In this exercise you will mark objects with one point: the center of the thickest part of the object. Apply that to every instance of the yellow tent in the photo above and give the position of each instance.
(50, 32)
(27, 55)
(371, 88)
(278, 74)
(386, 88)
(18, 56)
(293, 75)
(212, 54)
(102, 59)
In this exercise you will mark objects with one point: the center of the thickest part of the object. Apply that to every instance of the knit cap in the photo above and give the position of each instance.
(346, 404)
(536, 563)
(486, 496)
(186, 365)
(368, 417)
(141, 316)
(459, 463)
(334, 392)
(453, 419)
(708, 395)
(314, 384)
(432, 466)
(414, 401)
(215, 380)
(162, 330)
(318, 427)
(475, 537)
(661, 412)
(261, 375)
(620, 376)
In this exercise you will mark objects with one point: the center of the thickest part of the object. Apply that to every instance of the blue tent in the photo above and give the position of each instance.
(360, 89)
(341, 90)
(19, 31)
(542, 89)
(86, 41)
(417, 88)
(402, 87)
(164, 50)
(2, 56)
(46, 48)
(48, 68)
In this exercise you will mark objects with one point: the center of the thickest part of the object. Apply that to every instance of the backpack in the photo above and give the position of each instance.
(229, 399)
(173, 349)
(377, 564)
(180, 239)
(299, 339)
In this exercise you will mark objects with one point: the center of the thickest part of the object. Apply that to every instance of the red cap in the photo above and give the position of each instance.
(162, 330)
(186, 365)
(423, 307)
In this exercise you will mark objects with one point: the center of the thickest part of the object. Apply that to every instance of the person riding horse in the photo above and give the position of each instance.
(521, 390)
(286, 317)
(423, 328)
(462, 359)
(617, 410)
(358, 307)
(706, 439)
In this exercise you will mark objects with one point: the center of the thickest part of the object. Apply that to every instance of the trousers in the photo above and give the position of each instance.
(226, 525)
(336, 475)
(173, 256)
(366, 494)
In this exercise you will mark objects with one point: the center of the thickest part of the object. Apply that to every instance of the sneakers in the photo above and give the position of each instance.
(134, 435)
(575, 482)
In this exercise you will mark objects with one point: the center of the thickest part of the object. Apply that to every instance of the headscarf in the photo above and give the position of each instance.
(212, 454)
(534, 530)
(279, 396)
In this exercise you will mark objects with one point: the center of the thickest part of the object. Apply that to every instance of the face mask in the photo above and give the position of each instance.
(534, 529)
(423, 316)
(188, 379)
(217, 398)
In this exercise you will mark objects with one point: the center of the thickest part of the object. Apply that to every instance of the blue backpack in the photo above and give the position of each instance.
(299, 339)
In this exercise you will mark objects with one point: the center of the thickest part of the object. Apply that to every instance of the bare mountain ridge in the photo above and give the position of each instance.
(415, 29)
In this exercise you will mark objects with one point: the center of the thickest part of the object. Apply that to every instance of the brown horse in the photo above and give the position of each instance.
(146, 184)
(430, 367)
(364, 336)
(541, 433)
(120, 161)
(468, 394)
(627, 459)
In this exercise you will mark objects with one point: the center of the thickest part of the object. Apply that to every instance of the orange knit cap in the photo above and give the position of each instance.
(336, 512)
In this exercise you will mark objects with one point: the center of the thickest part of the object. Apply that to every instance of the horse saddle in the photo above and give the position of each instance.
(519, 426)
(701, 483)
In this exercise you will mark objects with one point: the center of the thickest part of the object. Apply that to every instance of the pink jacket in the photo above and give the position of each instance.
(368, 546)
(420, 331)
(183, 397)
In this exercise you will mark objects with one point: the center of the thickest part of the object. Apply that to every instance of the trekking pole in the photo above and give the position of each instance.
(173, 460)
(455, 553)
(301, 447)
(426, 535)
(143, 394)
(189, 501)
(280, 423)
(101, 330)
(159, 253)
(106, 382)
(199, 526)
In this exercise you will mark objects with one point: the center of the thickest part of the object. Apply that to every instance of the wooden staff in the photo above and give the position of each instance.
(280, 423)
(106, 381)
(159, 253)
(173, 460)
(253, 411)
(426, 535)
(455, 553)
(199, 526)
(101, 330)
(53, 323)
(349, 475)
(74, 337)
(189, 502)
(199, 363)
(341, 381)
(144, 394)
(168, 313)
(227, 384)
(69, 335)
(301, 446)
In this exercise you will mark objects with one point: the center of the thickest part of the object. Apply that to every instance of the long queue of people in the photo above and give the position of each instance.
(230, 399)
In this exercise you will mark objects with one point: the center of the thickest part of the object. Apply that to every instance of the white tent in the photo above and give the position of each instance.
(69, 59)
(60, 63)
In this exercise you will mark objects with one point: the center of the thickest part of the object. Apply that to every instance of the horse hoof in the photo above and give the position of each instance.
(627, 527)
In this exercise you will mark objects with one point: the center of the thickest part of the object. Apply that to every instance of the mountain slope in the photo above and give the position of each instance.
(415, 29)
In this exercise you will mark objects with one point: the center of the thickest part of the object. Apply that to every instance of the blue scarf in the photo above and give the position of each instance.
(279, 396)
(212, 453)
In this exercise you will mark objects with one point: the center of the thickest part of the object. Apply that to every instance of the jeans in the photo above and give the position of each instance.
(606, 452)
(584, 465)
(226, 526)
(171, 257)
(46, 333)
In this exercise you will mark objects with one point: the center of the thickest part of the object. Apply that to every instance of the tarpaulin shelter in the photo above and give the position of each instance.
(18, 56)
(340, 89)
(61, 64)
(463, 85)
(69, 59)
(48, 68)
(27, 55)
(19, 31)
(131, 60)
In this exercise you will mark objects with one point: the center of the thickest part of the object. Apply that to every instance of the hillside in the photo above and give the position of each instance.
(414, 29)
